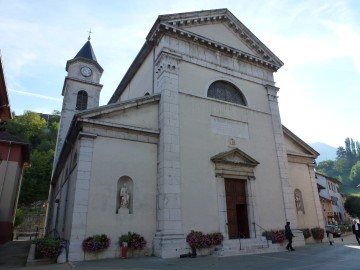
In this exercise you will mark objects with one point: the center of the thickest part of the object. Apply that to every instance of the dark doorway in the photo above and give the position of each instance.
(238, 224)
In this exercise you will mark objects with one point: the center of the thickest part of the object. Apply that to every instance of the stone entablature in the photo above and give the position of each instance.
(174, 25)
(217, 60)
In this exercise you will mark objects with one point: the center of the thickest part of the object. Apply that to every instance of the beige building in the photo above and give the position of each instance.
(332, 200)
(190, 140)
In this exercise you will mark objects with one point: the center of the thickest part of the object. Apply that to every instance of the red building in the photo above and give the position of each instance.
(14, 157)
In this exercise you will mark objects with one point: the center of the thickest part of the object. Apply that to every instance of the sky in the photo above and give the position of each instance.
(317, 40)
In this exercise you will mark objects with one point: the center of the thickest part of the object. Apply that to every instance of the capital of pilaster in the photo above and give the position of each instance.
(272, 92)
(167, 62)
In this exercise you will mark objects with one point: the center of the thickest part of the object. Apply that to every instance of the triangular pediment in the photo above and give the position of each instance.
(219, 29)
(295, 146)
(234, 156)
(140, 113)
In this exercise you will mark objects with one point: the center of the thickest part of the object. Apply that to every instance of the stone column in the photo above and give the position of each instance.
(169, 240)
(81, 200)
(287, 190)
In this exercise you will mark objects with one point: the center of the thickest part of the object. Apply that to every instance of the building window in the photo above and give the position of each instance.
(227, 92)
(81, 101)
(334, 200)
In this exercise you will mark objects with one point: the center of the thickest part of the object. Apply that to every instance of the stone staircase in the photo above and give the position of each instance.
(248, 246)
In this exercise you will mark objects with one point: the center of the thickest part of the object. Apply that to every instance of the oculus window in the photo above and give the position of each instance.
(225, 91)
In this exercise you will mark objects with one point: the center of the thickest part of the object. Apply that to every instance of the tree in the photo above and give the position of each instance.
(352, 206)
(29, 127)
(41, 134)
(355, 173)
(325, 167)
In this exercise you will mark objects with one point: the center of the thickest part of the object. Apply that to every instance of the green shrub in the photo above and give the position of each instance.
(47, 248)
(19, 217)
(267, 234)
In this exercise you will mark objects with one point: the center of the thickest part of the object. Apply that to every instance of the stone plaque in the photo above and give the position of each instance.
(229, 127)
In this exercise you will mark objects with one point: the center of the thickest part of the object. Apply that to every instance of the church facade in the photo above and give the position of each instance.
(190, 140)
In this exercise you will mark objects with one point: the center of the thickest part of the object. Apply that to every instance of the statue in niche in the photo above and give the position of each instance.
(124, 197)
(298, 201)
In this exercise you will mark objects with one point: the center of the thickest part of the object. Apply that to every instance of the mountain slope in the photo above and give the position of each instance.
(326, 151)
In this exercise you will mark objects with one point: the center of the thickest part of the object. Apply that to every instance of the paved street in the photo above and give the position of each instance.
(342, 255)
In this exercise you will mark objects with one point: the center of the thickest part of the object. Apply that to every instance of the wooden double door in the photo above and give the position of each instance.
(237, 215)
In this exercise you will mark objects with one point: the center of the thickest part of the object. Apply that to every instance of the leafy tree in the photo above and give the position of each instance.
(352, 206)
(29, 127)
(325, 167)
(355, 172)
(41, 134)
(340, 152)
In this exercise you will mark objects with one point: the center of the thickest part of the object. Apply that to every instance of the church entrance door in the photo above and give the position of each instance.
(238, 224)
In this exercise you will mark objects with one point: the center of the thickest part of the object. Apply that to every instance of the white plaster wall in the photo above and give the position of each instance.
(221, 33)
(112, 159)
(142, 82)
(299, 178)
(145, 116)
(198, 85)
(198, 144)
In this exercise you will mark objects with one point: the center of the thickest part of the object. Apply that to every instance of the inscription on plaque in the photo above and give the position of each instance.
(229, 127)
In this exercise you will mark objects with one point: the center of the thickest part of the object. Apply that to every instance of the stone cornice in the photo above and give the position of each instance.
(67, 78)
(265, 61)
(174, 23)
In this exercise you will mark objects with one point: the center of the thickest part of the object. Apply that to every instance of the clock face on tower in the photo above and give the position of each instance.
(86, 71)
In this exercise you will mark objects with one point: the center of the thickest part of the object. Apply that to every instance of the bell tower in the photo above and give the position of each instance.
(81, 90)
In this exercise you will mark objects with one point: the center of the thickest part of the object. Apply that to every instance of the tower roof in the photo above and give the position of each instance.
(86, 52)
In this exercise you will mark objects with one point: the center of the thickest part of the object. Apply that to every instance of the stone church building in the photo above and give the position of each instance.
(191, 139)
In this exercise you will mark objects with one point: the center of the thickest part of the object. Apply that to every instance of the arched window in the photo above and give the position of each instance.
(227, 92)
(81, 101)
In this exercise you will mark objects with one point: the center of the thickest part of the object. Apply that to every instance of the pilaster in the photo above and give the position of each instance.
(81, 200)
(288, 197)
(169, 240)
(319, 208)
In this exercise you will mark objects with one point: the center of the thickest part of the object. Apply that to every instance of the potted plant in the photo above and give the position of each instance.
(318, 233)
(47, 248)
(96, 243)
(203, 242)
(135, 242)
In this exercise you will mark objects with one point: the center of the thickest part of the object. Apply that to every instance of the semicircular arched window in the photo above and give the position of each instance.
(225, 91)
(81, 101)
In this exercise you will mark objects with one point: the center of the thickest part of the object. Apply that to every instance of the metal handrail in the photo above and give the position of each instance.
(241, 234)
(255, 224)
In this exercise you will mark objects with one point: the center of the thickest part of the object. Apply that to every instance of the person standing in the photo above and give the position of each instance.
(289, 236)
(356, 230)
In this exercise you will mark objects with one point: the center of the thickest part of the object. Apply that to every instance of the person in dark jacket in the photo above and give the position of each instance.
(289, 236)
(356, 230)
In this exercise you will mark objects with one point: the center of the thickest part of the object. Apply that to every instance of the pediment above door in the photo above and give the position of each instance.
(234, 163)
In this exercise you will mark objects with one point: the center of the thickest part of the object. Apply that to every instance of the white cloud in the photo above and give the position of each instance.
(36, 95)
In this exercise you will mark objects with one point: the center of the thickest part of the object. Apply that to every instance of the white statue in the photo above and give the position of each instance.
(124, 197)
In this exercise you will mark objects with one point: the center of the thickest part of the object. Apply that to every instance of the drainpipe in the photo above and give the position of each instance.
(6, 166)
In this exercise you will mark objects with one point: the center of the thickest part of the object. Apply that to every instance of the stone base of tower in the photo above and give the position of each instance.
(170, 245)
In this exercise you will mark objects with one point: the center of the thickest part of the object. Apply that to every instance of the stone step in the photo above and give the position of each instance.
(248, 246)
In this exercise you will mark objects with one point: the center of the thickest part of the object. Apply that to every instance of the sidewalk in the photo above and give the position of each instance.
(344, 254)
